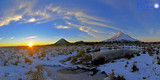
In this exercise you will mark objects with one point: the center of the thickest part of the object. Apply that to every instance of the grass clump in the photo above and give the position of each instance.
(27, 60)
(74, 60)
(113, 77)
(87, 57)
(134, 68)
(99, 60)
(128, 55)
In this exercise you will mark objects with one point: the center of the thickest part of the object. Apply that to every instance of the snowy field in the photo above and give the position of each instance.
(25, 62)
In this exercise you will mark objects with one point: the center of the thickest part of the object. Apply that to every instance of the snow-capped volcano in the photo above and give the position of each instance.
(120, 36)
(62, 41)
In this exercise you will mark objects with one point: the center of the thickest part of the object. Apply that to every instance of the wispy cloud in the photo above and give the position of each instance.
(7, 20)
(31, 20)
(62, 27)
(31, 37)
(1, 38)
(27, 14)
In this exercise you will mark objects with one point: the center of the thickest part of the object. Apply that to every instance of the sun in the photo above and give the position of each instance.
(156, 5)
(30, 44)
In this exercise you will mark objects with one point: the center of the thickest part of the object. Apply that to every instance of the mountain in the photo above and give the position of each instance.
(79, 42)
(61, 42)
(120, 36)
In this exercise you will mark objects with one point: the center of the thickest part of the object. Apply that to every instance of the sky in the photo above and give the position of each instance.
(46, 21)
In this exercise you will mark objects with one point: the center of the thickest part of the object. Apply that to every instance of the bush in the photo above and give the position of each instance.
(158, 60)
(143, 51)
(80, 53)
(128, 55)
(157, 52)
(87, 57)
(68, 59)
(16, 63)
(134, 68)
(74, 60)
(99, 60)
(27, 60)
(113, 77)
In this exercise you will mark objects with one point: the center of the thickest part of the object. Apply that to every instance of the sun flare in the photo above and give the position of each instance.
(30, 44)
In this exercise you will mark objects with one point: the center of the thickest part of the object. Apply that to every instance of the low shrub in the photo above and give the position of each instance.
(27, 60)
(87, 57)
(128, 55)
(74, 60)
(134, 68)
(99, 60)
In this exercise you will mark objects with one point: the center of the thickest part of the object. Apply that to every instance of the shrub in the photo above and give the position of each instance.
(113, 77)
(74, 60)
(134, 68)
(128, 55)
(150, 53)
(80, 53)
(68, 59)
(27, 60)
(99, 60)
(16, 63)
(143, 51)
(119, 78)
(158, 60)
(137, 54)
(87, 57)
(157, 52)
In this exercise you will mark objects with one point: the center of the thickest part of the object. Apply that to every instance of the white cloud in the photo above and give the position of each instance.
(31, 20)
(31, 37)
(62, 27)
(1, 38)
(7, 20)
(48, 13)
(11, 37)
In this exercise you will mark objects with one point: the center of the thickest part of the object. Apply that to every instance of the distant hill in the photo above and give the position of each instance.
(120, 36)
(61, 42)
(79, 42)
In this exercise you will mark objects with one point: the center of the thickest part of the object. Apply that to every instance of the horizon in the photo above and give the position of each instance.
(44, 22)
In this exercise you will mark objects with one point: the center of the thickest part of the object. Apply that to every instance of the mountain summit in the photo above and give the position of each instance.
(61, 42)
(120, 36)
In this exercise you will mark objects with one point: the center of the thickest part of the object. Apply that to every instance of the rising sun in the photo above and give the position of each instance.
(30, 44)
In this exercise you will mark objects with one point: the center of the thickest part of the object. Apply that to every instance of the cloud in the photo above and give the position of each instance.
(62, 27)
(31, 37)
(25, 12)
(87, 29)
(7, 20)
(1, 38)
(11, 37)
(31, 20)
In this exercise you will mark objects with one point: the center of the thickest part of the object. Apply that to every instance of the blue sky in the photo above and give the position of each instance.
(46, 21)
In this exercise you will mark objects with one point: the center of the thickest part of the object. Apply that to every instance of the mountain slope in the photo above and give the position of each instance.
(120, 36)
(61, 41)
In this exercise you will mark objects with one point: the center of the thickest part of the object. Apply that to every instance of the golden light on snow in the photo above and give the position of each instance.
(156, 5)
(30, 44)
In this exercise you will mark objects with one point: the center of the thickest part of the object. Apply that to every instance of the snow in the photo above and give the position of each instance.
(120, 36)
(147, 68)
(147, 64)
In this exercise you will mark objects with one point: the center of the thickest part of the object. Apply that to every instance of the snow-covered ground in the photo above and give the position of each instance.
(148, 68)
(17, 63)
